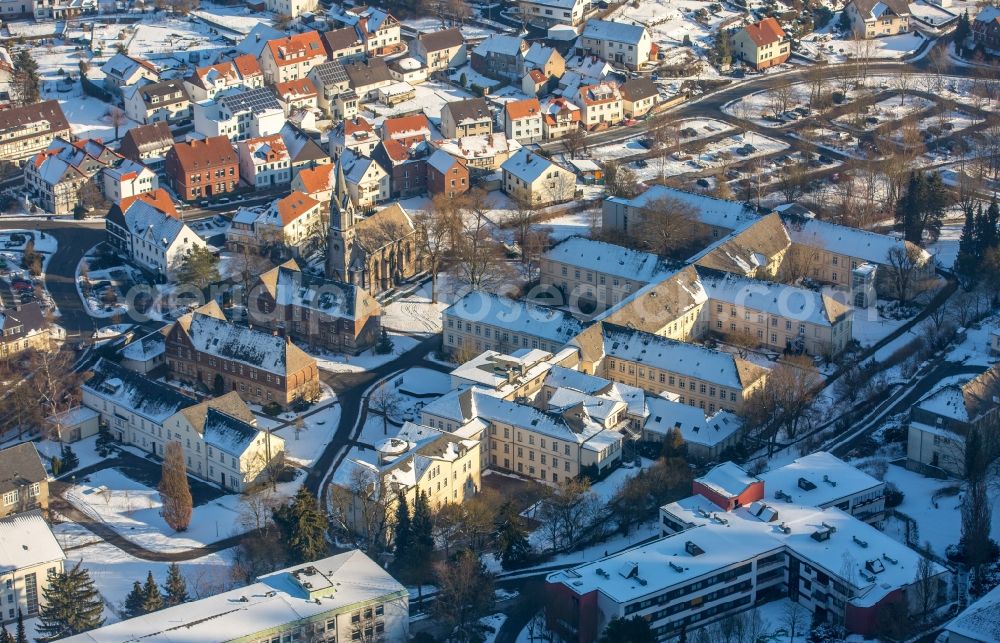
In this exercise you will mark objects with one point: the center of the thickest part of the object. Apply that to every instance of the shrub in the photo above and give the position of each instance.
(272, 408)
(893, 495)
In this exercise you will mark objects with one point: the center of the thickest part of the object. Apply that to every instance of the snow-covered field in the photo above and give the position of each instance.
(133, 510)
(414, 313)
(304, 446)
(670, 20)
(886, 111)
(826, 44)
(715, 155)
(366, 360)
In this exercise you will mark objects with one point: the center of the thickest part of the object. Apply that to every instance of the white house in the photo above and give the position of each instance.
(264, 161)
(129, 179)
(546, 13)
(522, 121)
(219, 437)
(291, 8)
(536, 180)
(291, 57)
(601, 105)
(30, 554)
(167, 101)
(295, 220)
(207, 82)
(123, 70)
(367, 181)
(240, 115)
(616, 42)
(149, 238)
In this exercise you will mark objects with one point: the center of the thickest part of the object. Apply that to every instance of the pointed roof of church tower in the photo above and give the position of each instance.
(341, 207)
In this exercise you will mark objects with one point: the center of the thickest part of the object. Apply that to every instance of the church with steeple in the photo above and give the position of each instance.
(375, 252)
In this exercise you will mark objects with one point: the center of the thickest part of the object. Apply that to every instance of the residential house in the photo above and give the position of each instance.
(442, 466)
(407, 130)
(240, 114)
(762, 44)
(367, 180)
(354, 135)
(297, 95)
(242, 72)
(482, 154)
(344, 44)
(314, 311)
(317, 182)
(639, 97)
(379, 30)
(720, 217)
(537, 181)
(941, 423)
(166, 101)
(291, 57)
(874, 18)
(291, 8)
(368, 77)
(205, 350)
(23, 327)
(482, 321)
(254, 43)
(534, 83)
(304, 152)
(31, 556)
(447, 174)
(347, 596)
(149, 238)
(405, 164)
(128, 179)
(30, 129)
(522, 121)
(374, 252)
(24, 482)
(978, 622)
(144, 355)
(706, 436)
(58, 177)
(548, 13)
(601, 105)
(440, 50)
(63, 9)
(469, 117)
(986, 28)
(296, 221)
(545, 59)
(333, 90)
(218, 437)
(560, 118)
(123, 70)
(147, 144)
(264, 161)
(205, 168)
(500, 57)
(619, 43)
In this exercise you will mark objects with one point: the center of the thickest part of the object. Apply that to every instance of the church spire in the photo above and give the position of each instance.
(341, 212)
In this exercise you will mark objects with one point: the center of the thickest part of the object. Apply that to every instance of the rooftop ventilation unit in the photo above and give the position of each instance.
(677, 568)
(863, 543)
(827, 480)
(693, 549)
(806, 485)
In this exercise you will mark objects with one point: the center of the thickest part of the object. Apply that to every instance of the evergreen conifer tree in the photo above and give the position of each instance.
(71, 605)
(511, 537)
(22, 635)
(134, 601)
(968, 257)
(5, 636)
(69, 459)
(175, 589)
(403, 534)
(152, 601)
(303, 527)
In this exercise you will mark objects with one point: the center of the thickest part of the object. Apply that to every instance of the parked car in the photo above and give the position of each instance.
(703, 183)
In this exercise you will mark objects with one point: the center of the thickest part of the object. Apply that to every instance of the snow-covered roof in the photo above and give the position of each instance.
(727, 479)
(26, 541)
(797, 304)
(694, 425)
(832, 480)
(227, 433)
(988, 14)
(145, 348)
(529, 166)
(613, 31)
(516, 316)
(287, 596)
(150, 399)
(500, 372)
(688, 360)
(562, 377)
(232, 342)
(289, 286)
(74, 416)
(845, 240)
(708, 210)
(981, 620)
(500, 44)
(479, 146)
(538, 55)
(255, 41)
(157, 228)
(441, 161)
(607, 258)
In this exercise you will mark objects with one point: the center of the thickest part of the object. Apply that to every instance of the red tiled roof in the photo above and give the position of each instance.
(294, 206)
(765, 32)
(216, 150)
(293, 89)
(158, 198)
(317, 179)
(523, 108)
(294, 49)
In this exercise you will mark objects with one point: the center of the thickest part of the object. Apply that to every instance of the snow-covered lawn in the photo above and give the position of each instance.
(836, 48)
(567, 225)
(303, 447)
(948, 122)
(113, 570)
(238, 18)
(493, 624)
(868, 325)
(414, 313)
(366, 360)
(89, 118)
(714, 156)
(757, 107)
(670, 20)
(886, 111)
(940, 526)
(430, 97)
(932, 14)
(974, 350)
(133, 510)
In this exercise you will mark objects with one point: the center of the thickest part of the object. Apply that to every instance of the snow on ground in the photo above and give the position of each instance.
(714, 156)
(493, 624)
(945, 249)
(939, 525)
(414, 313)
(868, 326)
(836, 48)
(133, 510)
(422, 382)
(85, 450)
(114, 571)
(88, 116)
(948, 122)
(237, 18)
(567, 225)
(670, 20)
(429, 25)
(759, 105)
(367, 360)
(304, 446)
(931, 13)
(974, 350)
(429, 99)
(375, 431)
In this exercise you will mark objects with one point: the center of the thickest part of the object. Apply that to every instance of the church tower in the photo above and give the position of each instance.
(341, 234)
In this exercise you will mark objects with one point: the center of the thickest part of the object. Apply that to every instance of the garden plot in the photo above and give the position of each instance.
(304, 445)
(837, 48)
(714, 156)
(133, 510)
(159, 38)
(567, 225)
(430, 25)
